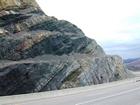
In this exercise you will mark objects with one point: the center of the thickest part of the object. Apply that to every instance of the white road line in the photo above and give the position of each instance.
(108, 96)
(95, 94)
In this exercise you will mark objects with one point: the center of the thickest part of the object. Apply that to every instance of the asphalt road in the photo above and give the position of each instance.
(136, 73)
(128, 94)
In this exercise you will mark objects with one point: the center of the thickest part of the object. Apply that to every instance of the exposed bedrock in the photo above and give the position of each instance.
(41, 53)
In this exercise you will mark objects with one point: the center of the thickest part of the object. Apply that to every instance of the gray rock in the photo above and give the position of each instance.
(40, 53)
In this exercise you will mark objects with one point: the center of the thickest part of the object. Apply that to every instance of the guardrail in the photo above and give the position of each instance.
(58, 93)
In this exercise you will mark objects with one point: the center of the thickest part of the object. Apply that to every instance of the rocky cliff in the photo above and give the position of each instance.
(40, 53)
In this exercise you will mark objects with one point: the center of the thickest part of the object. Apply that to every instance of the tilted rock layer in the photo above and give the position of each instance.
(40, 53)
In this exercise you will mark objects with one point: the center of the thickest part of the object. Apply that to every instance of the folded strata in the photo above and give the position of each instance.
(40, 53)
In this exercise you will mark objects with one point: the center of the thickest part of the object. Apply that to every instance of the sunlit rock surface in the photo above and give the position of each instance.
(40, 53)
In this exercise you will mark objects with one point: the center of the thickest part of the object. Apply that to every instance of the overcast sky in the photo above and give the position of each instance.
(114, 24)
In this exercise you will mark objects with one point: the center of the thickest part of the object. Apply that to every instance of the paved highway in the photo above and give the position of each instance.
(136, 73)
(128, 94)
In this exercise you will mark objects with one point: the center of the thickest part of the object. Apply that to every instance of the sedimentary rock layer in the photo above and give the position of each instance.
(41, 53)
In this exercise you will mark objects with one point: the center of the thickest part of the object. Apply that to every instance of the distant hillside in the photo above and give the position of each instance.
(130, 60)
(134, 66)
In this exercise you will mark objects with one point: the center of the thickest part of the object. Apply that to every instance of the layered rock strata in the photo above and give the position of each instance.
(40, 53)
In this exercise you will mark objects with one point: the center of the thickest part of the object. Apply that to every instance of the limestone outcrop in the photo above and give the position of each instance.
(4, 4)
(41, 53)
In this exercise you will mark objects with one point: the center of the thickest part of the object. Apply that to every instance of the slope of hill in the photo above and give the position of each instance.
(40, 53)
(130, 60)
(134, 66)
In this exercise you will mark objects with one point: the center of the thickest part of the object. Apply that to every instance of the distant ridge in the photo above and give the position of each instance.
(134, 66)
(130, 60)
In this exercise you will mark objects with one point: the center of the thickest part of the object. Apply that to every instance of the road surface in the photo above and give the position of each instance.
(136, 73)
(128, 94)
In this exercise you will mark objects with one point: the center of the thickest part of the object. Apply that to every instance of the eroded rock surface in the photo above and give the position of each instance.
(40, 53)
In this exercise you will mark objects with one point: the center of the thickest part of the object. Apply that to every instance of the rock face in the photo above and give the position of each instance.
(40, 53)
(4, 4)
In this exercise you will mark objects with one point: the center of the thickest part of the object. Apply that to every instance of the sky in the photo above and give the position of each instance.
(114, 24)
